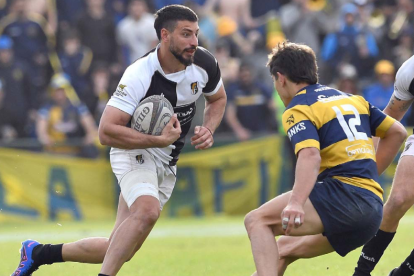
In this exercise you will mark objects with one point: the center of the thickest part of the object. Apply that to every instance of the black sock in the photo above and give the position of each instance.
(407, 267)
(48, 254)
(100, 274)
(372, 252)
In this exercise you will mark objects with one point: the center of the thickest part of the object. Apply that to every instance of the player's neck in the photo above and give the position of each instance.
(169, 63)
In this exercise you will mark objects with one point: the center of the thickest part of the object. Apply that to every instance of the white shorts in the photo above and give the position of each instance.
(140, 173)
(409, 147)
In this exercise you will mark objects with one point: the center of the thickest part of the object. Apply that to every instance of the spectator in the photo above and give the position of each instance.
(348, 81)
(229, 66)
(47, 9)
(379, 93)
(405, 48)
(60, 123)
(97, 32)
(75, 61)
(31, 42)
(17, 90)
(68, 11)
(250, 108)
(135, 32)
(8, 124)
(98, 97)
(303, 25)
(351, 44)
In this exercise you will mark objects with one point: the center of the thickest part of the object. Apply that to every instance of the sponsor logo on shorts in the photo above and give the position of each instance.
(359, 149)
(140, 159)
(407, 146)
(120, 90)
(194, 88)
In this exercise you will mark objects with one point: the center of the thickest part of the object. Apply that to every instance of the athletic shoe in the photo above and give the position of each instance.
(392, 271)
(27, 265)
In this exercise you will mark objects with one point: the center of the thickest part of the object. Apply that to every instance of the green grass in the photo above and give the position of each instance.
(213, 246)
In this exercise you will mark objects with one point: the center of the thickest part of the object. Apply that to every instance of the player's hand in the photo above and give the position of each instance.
(292, 217)
(203, 138)
(171, 131)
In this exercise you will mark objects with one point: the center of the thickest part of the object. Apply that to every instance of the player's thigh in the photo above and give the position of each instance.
(303, 247)
(402, 189)
(270, 214)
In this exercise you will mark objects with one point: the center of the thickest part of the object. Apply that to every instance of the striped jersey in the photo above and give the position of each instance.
(341, 126)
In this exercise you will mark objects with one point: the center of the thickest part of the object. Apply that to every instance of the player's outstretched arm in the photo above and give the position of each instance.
(114, 132)
(389, 146)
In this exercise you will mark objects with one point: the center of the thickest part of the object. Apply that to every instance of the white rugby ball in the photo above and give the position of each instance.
(152, 115)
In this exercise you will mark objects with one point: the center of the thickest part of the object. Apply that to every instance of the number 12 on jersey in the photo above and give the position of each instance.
(350, 127)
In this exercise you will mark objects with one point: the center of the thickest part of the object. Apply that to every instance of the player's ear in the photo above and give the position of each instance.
(165, 35)
(280, 78)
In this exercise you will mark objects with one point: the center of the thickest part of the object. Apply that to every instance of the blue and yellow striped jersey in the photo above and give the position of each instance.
(341, 126)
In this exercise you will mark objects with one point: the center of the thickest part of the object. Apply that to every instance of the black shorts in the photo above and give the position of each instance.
(350, 215)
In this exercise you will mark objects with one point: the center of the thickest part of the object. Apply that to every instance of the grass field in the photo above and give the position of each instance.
(214, 246)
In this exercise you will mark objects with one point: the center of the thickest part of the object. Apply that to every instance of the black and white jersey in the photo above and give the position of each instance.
(145, 78)
(404, 81)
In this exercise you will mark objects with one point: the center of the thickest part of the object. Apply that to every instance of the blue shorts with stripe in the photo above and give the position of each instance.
(350, 215)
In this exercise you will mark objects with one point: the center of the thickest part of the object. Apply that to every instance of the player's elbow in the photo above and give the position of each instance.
(399, 132)
(310, 154)
(104, 139)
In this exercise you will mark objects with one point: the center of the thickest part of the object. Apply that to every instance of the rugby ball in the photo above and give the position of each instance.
(152, 115)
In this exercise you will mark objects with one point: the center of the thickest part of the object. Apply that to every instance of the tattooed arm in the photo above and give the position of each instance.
(397, 108)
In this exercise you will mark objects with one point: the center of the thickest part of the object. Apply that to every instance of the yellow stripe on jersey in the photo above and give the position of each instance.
(368, 184)
(384, 126)
(343, 151)
(306, 144)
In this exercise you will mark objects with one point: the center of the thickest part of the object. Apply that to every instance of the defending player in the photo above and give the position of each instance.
(182, 71)
(402, 193)
(336, 201)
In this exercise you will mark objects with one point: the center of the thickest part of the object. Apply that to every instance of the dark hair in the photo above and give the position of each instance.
(168, 16)
(296, 61)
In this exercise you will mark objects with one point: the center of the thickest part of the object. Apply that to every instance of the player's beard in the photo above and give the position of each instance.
(179, 55)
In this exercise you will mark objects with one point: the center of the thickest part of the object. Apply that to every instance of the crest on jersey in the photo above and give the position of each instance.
(194, 88)
(120, 90)
(290, 120)
(140, 159)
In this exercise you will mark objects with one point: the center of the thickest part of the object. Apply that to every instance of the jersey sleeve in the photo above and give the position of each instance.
(404, 83)
(129, 91)
(299, 127)
(379, 121)
(208, 62)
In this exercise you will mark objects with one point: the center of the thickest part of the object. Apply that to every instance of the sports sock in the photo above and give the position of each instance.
(372, 252)
(407, 267)
(100, 274)
(48, 254)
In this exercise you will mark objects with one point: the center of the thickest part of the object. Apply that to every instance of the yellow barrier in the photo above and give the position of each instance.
(40, 186)
(229, 180)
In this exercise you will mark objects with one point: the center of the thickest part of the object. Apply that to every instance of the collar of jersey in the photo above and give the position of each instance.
(159, 68)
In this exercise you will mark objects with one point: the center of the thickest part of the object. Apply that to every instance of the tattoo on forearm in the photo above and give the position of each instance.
(405, 106)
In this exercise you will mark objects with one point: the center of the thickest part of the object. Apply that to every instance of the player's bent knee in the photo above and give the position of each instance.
(253, 220)
(398, 202)
(147, 216)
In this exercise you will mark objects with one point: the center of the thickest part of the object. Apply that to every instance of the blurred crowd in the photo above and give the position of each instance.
(60, 60)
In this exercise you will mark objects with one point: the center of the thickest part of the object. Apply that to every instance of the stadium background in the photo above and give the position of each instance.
(56, 184)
